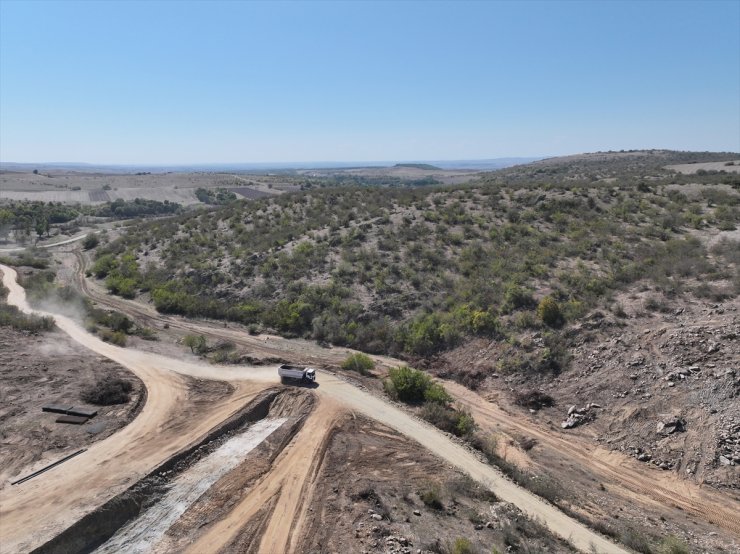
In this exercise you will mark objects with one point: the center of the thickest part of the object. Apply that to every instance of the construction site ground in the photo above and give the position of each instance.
(355, 452)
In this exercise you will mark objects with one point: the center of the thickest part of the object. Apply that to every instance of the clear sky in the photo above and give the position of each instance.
(209, 82)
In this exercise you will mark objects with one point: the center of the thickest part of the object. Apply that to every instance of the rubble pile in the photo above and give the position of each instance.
(728, 444)
(578, 416)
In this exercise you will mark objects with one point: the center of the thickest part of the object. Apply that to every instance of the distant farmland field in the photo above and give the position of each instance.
(251, 194)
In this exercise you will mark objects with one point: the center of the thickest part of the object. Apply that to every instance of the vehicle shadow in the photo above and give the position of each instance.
(301, 384)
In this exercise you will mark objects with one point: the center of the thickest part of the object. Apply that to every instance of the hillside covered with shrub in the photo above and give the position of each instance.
(414, 271)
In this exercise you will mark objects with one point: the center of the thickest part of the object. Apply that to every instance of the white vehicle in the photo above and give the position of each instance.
(289, 373)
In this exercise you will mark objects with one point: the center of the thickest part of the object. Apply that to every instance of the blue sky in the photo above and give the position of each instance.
(195, 82)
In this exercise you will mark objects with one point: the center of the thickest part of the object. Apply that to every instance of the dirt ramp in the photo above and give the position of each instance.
(292, 402)
(99, 526)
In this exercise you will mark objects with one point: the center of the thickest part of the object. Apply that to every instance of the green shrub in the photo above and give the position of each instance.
(122, 286)
(462, 546)
(104, 265)
(107, 391)
(361, 363)
(10, 316)
(673, 545)
(549, 312)
(436, 393)
(25, 259)
(408, 385)
(456, 422)
(114, 337)
(431, 496)
(635, 540)
(516, 297)
(90, 241)
(146, 333)
(464, 423)
(427, 335)
(196, 343)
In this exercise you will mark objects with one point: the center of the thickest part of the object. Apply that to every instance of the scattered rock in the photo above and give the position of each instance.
(578, 416)
(670, 426)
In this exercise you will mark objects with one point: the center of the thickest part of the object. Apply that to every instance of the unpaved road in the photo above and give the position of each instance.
(50, 245)
(35, 512)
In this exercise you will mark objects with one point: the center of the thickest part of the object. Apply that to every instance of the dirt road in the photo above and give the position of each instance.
(38, 511)
(40, 508)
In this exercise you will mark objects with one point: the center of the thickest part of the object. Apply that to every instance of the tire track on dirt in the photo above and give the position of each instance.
(289, 481)
(641, 484)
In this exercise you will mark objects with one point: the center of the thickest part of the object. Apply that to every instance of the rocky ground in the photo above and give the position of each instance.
(668, 387)
(657, 389)
(660, 386)
(50, 368)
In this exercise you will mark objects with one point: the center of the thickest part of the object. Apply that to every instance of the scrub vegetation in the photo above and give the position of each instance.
(415, 271)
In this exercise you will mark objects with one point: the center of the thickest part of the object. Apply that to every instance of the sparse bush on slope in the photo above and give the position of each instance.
(417, 271)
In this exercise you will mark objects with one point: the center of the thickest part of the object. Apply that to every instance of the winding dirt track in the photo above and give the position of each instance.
(30, 515)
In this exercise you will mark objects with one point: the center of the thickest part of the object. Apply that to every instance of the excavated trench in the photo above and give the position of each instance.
(178, 484)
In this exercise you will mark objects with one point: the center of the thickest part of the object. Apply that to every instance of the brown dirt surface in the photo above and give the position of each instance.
(49, 368)
(367, 497)
(709, 166)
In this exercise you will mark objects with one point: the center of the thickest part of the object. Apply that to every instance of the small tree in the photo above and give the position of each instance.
(197, 343)
(90, 241)
(549, 312)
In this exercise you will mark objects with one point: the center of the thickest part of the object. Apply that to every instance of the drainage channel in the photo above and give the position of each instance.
(181, 477)
(143, 533)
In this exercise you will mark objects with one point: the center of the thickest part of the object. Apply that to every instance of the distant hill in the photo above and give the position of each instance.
(488, 164)
(420, 166)
(598, 166)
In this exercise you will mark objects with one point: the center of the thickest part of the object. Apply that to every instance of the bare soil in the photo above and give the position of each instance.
(605, 484)
(96, 188)
(44, 369)
(176, 416)
(368, 498)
